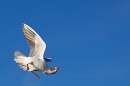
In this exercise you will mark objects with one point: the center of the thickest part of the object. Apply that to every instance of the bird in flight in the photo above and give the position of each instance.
(35, 61)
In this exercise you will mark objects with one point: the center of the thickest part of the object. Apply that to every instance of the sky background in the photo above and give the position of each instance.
(88, 39)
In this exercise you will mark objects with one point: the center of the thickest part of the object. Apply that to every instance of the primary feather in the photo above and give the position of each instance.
(37, 45)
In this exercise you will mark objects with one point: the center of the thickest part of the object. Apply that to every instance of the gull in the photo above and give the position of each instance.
(35, 61)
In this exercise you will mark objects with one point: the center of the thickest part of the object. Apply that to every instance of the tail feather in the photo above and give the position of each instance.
(19, 58)
(17, 53)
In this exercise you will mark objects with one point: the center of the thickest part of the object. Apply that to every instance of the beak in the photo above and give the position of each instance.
(58, 68)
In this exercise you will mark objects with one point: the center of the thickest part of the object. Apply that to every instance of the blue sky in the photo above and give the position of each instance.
(88, 39)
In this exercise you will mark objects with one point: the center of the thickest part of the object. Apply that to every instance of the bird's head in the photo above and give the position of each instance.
(55, 69)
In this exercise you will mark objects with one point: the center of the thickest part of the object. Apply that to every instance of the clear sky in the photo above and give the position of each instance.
(88, 39)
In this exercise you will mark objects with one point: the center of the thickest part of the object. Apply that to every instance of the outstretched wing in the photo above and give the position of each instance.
(37, 45)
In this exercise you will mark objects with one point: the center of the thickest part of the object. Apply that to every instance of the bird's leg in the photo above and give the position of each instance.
(35, 74)
(32, 71)
(28, 64)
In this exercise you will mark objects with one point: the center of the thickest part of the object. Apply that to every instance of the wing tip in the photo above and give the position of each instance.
(48, 59)
(24, 25)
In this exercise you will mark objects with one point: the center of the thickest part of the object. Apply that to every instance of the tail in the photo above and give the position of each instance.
(19, 58)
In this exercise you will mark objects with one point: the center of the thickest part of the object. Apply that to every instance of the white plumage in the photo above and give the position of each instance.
(35, 61)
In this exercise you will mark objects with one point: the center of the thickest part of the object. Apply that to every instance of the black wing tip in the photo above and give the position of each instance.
(48, 59)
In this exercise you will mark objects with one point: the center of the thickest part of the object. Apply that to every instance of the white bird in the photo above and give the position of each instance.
(35, 61)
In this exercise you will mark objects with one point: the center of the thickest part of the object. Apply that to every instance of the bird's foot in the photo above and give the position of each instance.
(37, 76)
